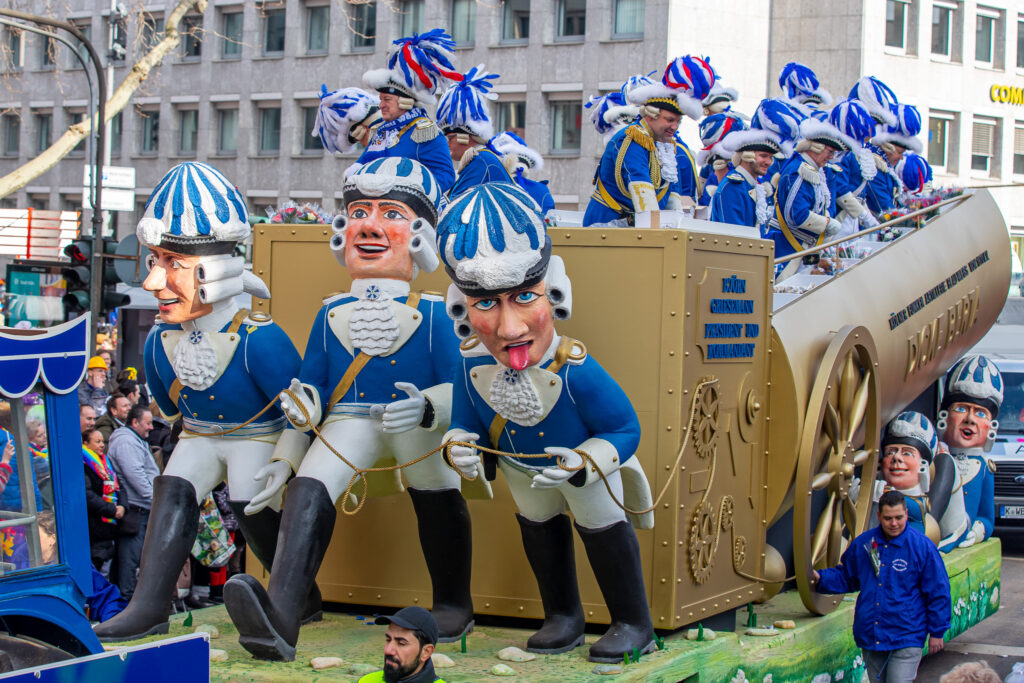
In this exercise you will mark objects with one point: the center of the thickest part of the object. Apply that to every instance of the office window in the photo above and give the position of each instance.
(565, 126)
(512, 116)
(318, 28)
(629, 18)
(273, 32)
(73, 62)
(572, 18)
(231, 35)
(12, 135)
(938, 141)
(270, 130)
(896, 23)
(982, 146)
(116, 131)
(152, 31)
(515, 25)
(188, 131)
(44, 131)
(149, 131)
(74, 117)
(14, 56)
(1020, 42)
(119, 27)
(463, 23)
(1018, 149)
(48, 52)
(310, 142)
(227, 131)
(192, 38)
(984, 37)
(412, 17)
(942, 22)
(363, 20)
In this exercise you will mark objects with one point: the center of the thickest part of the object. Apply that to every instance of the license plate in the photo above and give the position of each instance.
(1012, 511)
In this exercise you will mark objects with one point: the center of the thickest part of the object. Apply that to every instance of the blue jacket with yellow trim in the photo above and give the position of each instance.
(261, 366)
(802, 190)
(732, 202)
(484, 167)
(617, 169)
(432, 152)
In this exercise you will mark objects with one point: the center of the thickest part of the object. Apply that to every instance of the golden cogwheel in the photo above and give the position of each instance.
(702, 542)
(739, 552)
(705, 422)
(725, 513)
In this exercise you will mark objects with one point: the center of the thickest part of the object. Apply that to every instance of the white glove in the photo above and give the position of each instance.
(854, 492)
(970, 539)
(832, 227)
(401, 416)
(550, 477)
(466, 459)
(979, 530)
(291, 408)
(275, 474)
(868, 220)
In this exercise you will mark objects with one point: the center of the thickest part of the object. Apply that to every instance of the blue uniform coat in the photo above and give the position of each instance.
(398, 139)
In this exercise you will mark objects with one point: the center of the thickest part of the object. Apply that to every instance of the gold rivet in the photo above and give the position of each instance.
(332, 314)
(639, 237)
(260, 272)
(670, 391)
(604, 236)
(520, 606)
(487, 604)
(378, 596)
(675, 275)
(590, 613)
(414, 599)
(664, 543)
(293, 232)
(672, 313)
(593, 469)
(350, 593)
(671, 353)
(231, 338)
(675, 237)
(553, 382)
(394, 362)
(664, 581)
(415, 316)
(261, 232)
(668, 428)
(474, 374)
(614, 458)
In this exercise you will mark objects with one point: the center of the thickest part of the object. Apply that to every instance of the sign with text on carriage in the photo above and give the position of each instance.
(729, 317)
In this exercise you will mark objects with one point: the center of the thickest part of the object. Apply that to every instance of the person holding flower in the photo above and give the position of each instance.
(904, 601)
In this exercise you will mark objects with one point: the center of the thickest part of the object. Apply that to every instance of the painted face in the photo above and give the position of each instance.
(389, 110)
(172, 279)
(377, 239)
(892, 519)
(967, 426)
(516, 327)
(403, 654)
(901, 466)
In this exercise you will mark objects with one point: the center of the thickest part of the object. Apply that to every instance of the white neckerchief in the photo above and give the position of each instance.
(195, 357)
(513, 394)
(666, 152)
(373, 327)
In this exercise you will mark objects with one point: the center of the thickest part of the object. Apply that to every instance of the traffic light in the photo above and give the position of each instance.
(78, 279)
(118, 34)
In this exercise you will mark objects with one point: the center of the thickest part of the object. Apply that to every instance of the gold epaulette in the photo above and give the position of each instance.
(425, 131)
(640, 137)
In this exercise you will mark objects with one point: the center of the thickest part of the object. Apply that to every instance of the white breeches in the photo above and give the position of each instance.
(591, 505)
(206, 461)
(363, 443)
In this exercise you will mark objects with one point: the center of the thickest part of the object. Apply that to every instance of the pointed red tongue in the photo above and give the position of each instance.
(519, 356)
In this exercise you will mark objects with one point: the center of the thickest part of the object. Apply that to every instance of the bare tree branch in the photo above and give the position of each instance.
(23, 175)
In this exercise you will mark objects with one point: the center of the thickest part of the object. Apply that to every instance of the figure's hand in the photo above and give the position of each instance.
(550, 477)
(854, 491)
(817, 576)
(118, 511)
(466, 459)
(290, 405)
(868, 220)
(935, 645)
(970, 539)
(833, 227)
(979, 531)
(275, 474)
(8, 452)
(401, 416)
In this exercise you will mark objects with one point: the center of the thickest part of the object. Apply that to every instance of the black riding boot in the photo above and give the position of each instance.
(615, 558)
(170, 533)
(549, 549)
(447, 542)
(268, 620)
(260, 531)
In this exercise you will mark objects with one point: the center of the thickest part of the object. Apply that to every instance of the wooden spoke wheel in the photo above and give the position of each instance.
(842, 432)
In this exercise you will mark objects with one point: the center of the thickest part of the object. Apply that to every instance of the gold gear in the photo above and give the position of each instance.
(739, 552)
(702, 542)
(705, 427)
(725, 513)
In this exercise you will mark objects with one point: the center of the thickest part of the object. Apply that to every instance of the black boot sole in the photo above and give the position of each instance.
(255, 632)
(159, 629)
(458, 636)
(646, 650)
(558, 650)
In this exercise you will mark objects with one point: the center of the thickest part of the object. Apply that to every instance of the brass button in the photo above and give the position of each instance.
(332, 314)
(394, 395)
(512, 432)
(473, 373)
(394, 362)
(184, 395)
(220, 417)
(211, 397)
(361, 394)
(195, 414)
(231, 338)
(540, 434)
(552, 382)
(415, 316)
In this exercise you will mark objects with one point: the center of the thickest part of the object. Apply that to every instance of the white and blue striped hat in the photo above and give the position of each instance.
(800, 84)
(493, 239)
(974, 379)
(781, 118)
(905, 131)
(463, 107)
(685, 82)
(340, 112)
(914, 172)
(853, 119)
(635, 81)
(713, 130)
(194, 210)
(608, 111)
(417, 65)
(509, 144)
(877, 98)
(911, 428)
(400, 178)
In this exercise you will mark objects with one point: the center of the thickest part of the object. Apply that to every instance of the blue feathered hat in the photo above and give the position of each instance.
(417, 66)
(911, 428)
(636, 81)
(493, 239)
(194, 210)
(720, 98)
(914, 171)
(685, 82)
(713, 130)
(463, 107)
(905, 131)
(816, 130)
(877, 98)
(853, 119)
(974, 379)
(341, 114)
(611, 110)
(781, 118)
(800, 84)
(400, 178)
(508, 144)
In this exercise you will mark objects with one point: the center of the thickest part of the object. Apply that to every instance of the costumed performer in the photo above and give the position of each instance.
(714, 159)
(802, 90)
(346, 119)
(883, 190)
(520, 159)
(741, 199)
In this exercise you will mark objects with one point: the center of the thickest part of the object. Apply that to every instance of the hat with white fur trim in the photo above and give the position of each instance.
(685, 82)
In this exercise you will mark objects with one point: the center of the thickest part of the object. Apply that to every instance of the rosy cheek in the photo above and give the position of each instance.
(399, 237)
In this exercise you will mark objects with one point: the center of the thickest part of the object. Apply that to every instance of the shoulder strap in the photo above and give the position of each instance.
(175, 390)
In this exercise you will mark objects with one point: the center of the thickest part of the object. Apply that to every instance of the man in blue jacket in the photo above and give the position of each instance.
(904, 593)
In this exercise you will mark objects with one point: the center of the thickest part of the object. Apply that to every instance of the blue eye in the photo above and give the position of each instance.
(959, 409)
(484, 304)
(525, 297)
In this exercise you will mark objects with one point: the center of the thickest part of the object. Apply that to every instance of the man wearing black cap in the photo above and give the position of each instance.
(409, 643)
